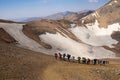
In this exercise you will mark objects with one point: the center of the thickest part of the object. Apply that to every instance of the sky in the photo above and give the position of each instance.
(13, 9)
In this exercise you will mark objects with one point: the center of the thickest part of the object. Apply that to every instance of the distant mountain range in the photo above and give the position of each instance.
(78, 15)
(57, 16)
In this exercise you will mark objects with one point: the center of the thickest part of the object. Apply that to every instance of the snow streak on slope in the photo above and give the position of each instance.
(15, 30)
(74, 48)
(96, 36)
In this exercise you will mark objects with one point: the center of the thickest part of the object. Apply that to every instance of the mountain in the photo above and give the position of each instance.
(83, 37)
(78, 15)
(67, 15)
(26, 49)
(31, 19)
(59, 16)
(6, 21)
(56, 16)
(106, 16)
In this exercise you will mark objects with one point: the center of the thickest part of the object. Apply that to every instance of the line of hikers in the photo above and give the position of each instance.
(82, 60)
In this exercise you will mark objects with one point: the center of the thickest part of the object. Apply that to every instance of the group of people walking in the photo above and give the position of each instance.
(83, 60)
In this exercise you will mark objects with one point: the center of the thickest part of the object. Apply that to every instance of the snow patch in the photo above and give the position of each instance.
(95, 14)
(83, 21)
(67, 45)
(15, 30)
(115, 1)
(110, 4)
(73, 25)
(95, 36)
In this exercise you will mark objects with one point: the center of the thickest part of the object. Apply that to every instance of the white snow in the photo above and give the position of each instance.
(63, 44)
(95, 14)
(67, 45)
(110, 4)
(83, 21)
(115, 1)
(15, 30)
(73, 25)
(96, 36)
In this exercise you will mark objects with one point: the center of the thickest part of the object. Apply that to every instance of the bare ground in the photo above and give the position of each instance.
(20, 64)
(74, 71)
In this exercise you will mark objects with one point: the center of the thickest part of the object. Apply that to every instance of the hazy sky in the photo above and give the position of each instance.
(34, 8)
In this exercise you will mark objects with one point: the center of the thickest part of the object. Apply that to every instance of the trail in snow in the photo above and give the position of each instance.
(96, 36)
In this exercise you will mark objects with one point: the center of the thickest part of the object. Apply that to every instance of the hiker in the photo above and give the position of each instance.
(56, 56)
(83, 60)
(79, 59)
(107, 62)
(73, 58)
(68, 56)
(104, 62)
(99, 61)
(60, 56)
(64, 55)
(94, 61)
(88, 61)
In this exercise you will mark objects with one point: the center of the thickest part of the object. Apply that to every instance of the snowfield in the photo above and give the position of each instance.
(15, 30)
(91, 48)
(67, 45)
(95, 36)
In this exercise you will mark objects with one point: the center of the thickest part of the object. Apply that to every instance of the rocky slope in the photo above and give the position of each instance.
(59, 16)
(78, 15)
(106, 15)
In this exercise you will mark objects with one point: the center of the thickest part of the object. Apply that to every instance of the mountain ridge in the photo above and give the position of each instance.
(55, 16)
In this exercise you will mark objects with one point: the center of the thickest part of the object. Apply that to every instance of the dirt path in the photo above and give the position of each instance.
(73, 71)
